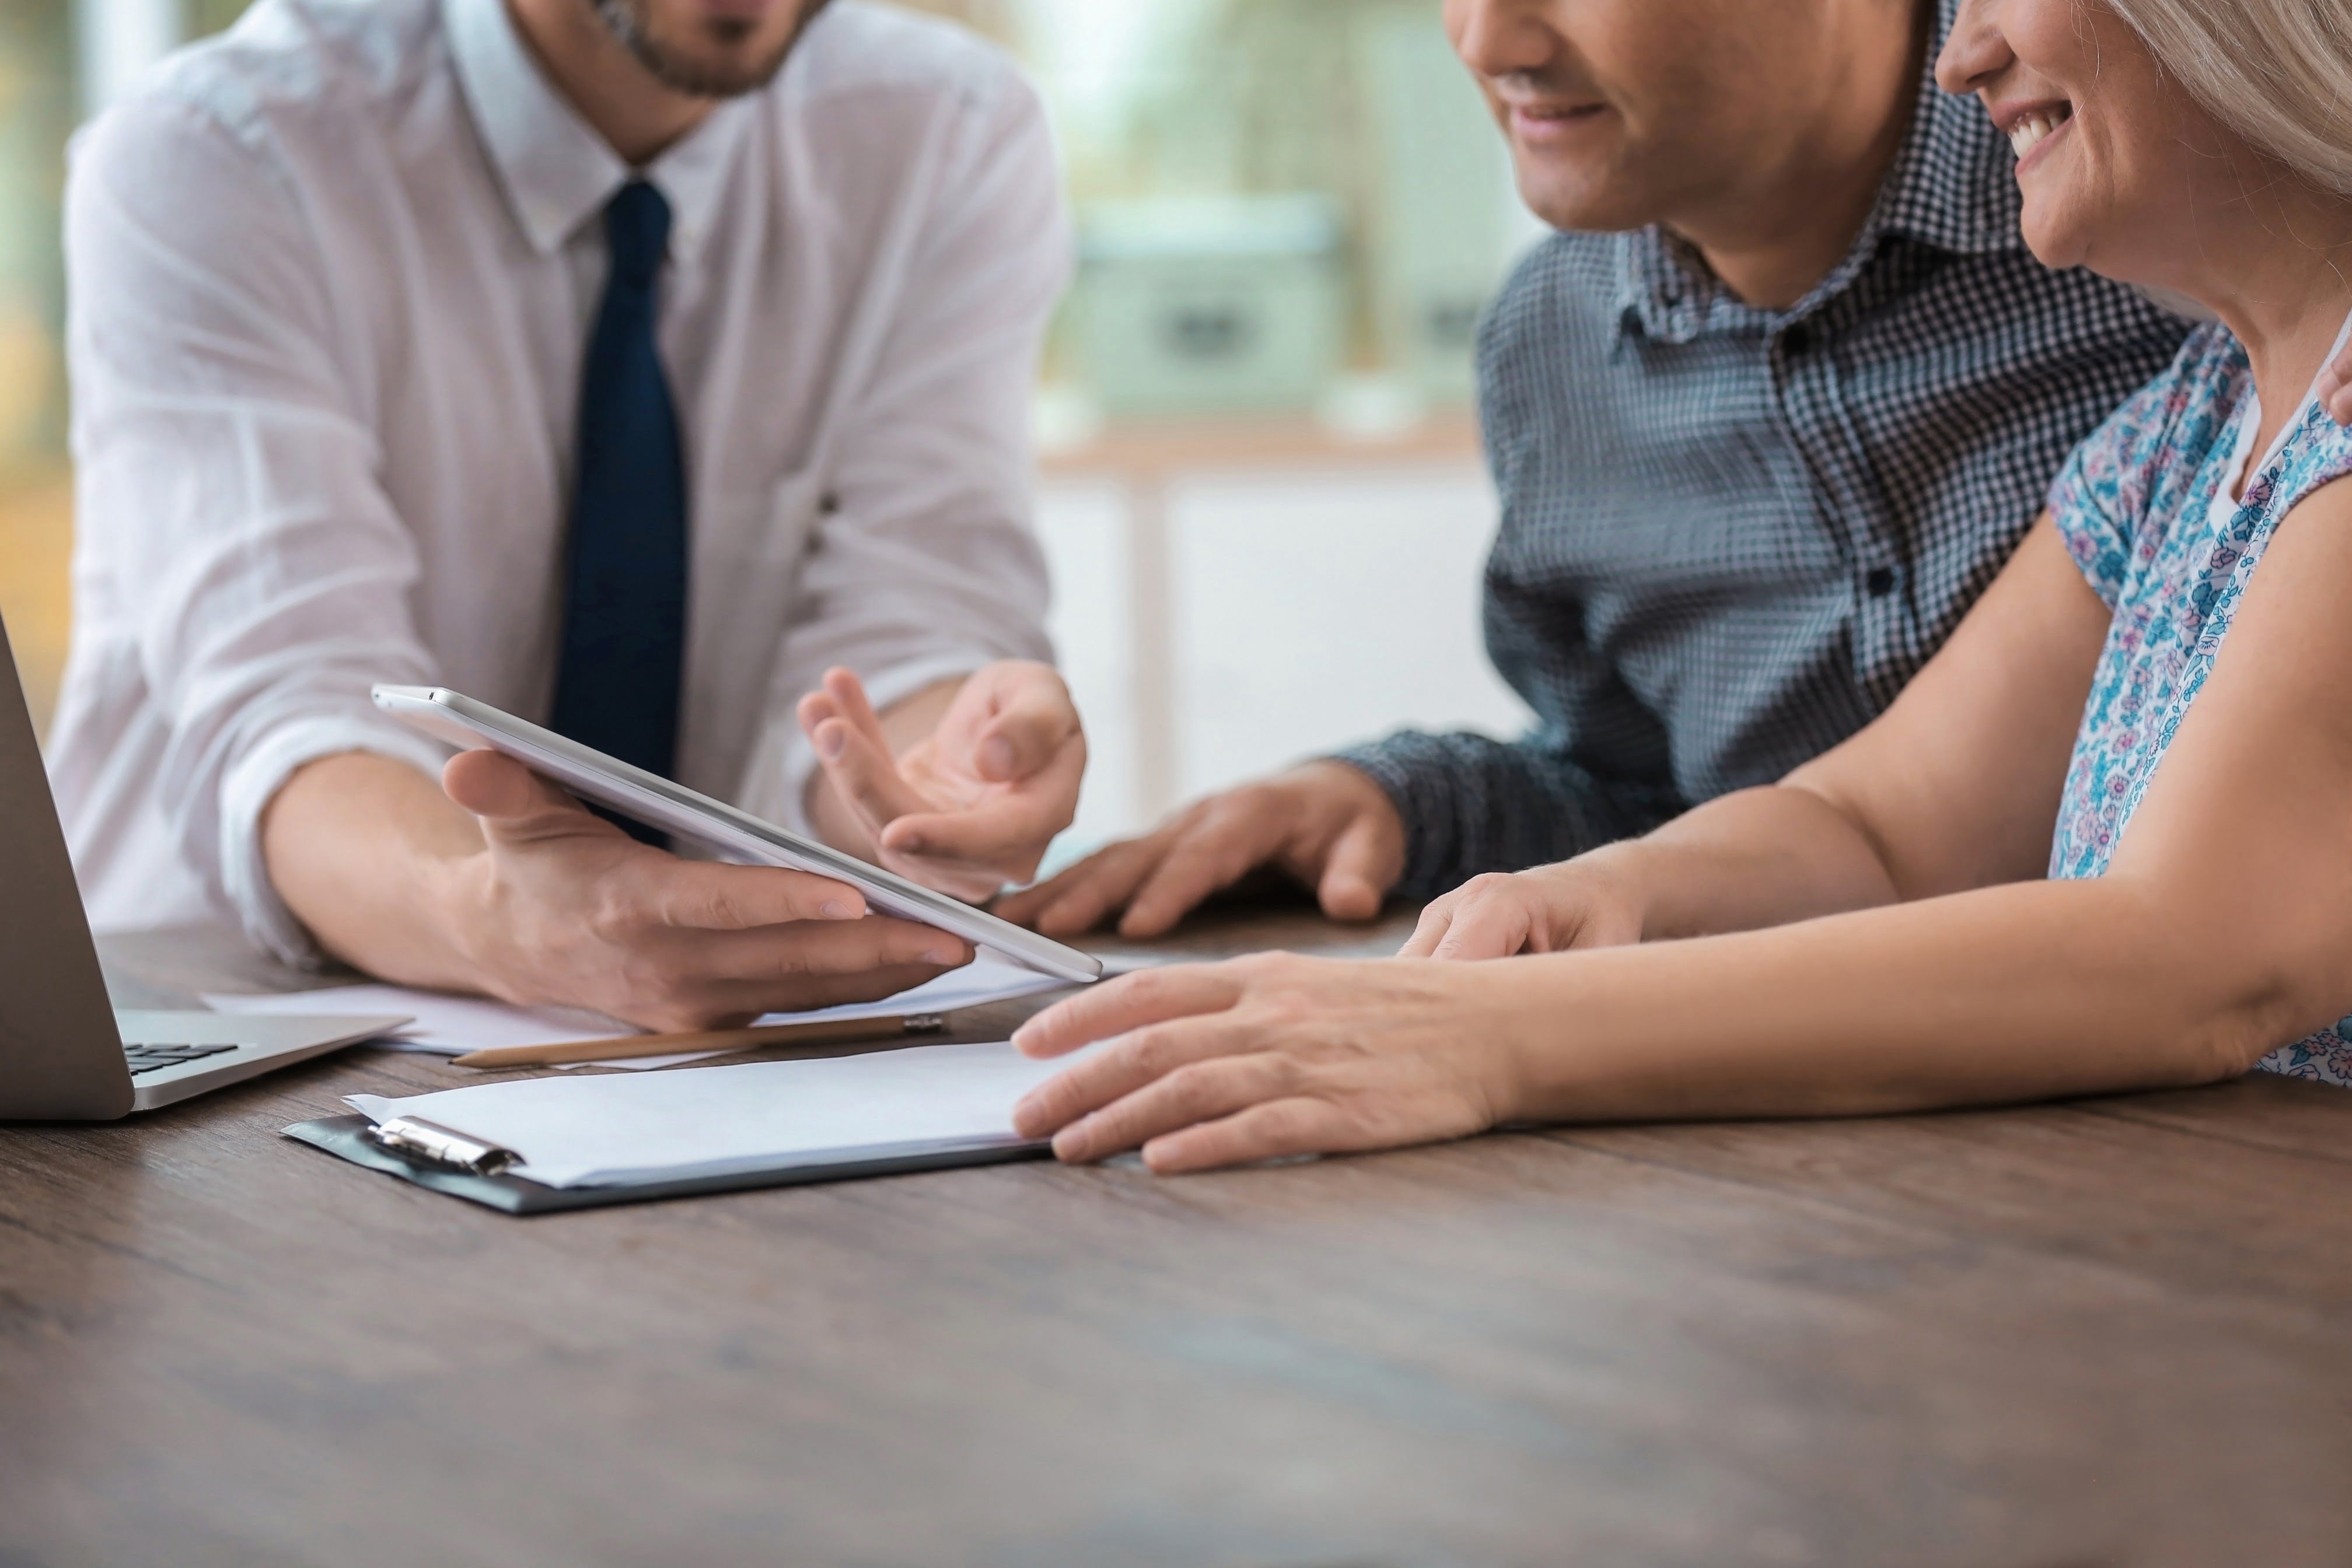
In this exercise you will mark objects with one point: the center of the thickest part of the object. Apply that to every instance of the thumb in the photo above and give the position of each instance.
(2331, 389)
(512, 802)
(1032, 725)
(1357, 877)
(2339, 404)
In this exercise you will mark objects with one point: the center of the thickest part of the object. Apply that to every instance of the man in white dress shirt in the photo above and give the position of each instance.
(639, 366)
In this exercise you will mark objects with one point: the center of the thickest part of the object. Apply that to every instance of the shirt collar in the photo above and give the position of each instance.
(1951, 186)
(1954, 184)
(556, 170)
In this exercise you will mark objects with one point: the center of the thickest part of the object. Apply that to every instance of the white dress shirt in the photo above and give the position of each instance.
(332, 277)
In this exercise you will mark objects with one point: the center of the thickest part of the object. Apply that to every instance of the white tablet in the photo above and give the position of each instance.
(656, 801)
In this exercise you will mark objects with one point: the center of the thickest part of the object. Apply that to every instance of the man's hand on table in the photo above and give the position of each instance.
(959, 787)
(1324, 824)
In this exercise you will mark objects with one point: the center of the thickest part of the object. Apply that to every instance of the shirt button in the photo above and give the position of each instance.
(1880, 583)
(1795, 339)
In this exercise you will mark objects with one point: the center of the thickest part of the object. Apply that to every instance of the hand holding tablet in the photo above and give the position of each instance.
(734, 834)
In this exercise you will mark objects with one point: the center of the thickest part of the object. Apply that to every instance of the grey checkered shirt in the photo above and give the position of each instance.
(1730, 534)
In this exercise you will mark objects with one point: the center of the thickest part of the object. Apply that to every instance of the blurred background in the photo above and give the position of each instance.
(1260, 484)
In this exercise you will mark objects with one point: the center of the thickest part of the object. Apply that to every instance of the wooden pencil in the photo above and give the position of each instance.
(748, 1038)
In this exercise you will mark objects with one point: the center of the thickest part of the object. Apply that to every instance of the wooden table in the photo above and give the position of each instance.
(2105, 1332)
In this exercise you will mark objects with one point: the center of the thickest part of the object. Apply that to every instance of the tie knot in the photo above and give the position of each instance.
(636, 231)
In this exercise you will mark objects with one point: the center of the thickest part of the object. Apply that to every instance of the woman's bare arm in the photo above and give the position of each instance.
(1955, 787)
(2221, 930)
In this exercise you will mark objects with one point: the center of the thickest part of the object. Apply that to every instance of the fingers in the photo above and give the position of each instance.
(1201, 1090)
(513, 803)
(1035, 723)
(839, 718)
(1159, 879)
(1212, 849)
(822, 949)
(2333, 391)
(1496, 925)
(1128, 1065)
(857, 761)
(1431, 928)
(724, 1002)
(681, 978)
(847, 695)
(1357, 877)
(1490, 916)
(1273, 1130)
(1496, 917)
(708, 896)
(1078, 898)
(750, 999)
(1128, 1003)
(1005, 830)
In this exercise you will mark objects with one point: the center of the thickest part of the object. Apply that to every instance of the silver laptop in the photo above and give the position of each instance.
(66, 1054)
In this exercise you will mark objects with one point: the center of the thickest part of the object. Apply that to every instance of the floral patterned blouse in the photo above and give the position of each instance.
(2144, 507)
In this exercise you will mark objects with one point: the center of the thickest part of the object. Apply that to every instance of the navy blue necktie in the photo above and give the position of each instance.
(617, 682)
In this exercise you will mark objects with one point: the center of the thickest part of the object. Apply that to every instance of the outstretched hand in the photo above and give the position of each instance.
(973, 805)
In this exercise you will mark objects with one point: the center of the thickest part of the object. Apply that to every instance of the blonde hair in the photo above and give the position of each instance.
(2277, 72)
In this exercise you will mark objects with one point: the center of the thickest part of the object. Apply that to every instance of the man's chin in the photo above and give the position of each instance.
(722, 58)
(1586, 205)
(719, 71)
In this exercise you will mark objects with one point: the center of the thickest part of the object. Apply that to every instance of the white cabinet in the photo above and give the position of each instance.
(1219, 613)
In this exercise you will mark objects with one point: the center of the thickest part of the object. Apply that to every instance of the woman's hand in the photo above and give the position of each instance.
(1223, 1063)
(1589, 902)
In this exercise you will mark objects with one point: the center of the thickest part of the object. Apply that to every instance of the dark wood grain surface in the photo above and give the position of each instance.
(2112, 1332)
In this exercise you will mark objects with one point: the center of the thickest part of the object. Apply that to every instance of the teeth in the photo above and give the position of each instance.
(2027, 132)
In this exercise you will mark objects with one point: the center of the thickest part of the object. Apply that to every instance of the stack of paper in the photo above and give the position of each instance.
(763, 1117)
(451, 1026)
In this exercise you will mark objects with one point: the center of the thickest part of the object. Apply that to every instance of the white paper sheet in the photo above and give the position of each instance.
(451, 1026)
(762, 1115)
(444, 1025)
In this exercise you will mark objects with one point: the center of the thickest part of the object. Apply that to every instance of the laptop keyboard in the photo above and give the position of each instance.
(154, 1058)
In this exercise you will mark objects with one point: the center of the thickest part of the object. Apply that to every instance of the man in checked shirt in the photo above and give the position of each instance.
(1765, 417)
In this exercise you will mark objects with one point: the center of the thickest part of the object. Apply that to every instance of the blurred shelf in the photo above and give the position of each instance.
(1160, 447)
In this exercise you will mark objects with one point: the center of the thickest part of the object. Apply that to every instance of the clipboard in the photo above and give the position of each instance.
(346, 1137)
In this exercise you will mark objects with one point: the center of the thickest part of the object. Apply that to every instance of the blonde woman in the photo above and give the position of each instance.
(2104, 841)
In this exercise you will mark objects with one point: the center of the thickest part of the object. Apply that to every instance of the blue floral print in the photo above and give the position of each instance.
(2135, 506)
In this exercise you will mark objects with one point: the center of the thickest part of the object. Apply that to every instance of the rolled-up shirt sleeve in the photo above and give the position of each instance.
(924, 564)
(228, 506)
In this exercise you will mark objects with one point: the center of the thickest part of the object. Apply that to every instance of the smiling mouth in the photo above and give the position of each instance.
(2031, 130)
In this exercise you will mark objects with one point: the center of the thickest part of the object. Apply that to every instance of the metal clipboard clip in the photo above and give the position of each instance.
(430, 1143)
